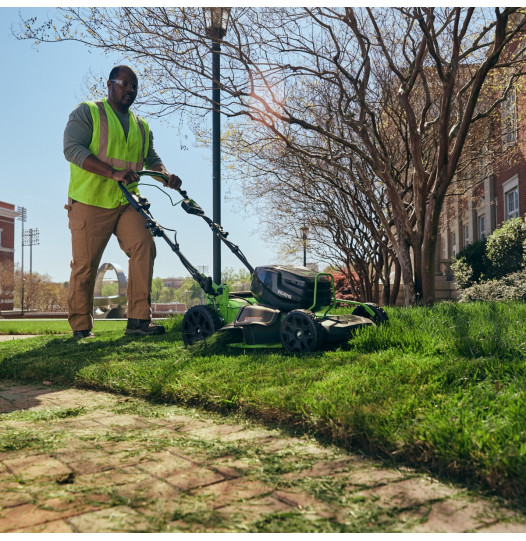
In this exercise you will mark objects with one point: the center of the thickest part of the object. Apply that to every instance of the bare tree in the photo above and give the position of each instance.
(7, 284)
(291, 190)
(392, 91)
(40, 293)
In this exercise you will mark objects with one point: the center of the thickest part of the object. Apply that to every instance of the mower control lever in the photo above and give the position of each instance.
(191, 207)
(142, 202)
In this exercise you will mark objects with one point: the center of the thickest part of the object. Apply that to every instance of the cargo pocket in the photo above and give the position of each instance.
(79, 239)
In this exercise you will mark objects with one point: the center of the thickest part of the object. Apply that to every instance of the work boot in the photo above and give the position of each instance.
(143, 326)
(78, 335)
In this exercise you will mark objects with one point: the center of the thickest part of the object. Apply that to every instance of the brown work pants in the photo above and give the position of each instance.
(91, 228)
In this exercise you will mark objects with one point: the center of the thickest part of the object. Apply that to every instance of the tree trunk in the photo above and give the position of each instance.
(429, 243)
(406, 269)
(428, 274)
(418, 274)
(386, 281)
(396, 285)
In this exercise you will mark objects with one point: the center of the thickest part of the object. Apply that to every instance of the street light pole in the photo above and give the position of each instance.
(216, 20)
(304, 230)
(216, 156)
(23, 218)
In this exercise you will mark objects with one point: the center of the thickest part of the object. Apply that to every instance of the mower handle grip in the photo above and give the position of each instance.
(160, 177)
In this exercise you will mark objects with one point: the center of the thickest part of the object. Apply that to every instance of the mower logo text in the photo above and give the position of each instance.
(284, 294)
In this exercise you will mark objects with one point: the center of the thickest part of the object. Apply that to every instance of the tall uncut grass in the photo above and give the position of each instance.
(442, 388)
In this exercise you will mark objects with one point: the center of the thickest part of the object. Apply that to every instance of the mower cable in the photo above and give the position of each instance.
(133, 184)
(165, 193)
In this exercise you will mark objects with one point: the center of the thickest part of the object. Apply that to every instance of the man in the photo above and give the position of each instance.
(106, 143)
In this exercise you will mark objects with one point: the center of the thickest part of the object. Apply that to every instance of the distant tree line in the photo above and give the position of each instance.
(40, 293)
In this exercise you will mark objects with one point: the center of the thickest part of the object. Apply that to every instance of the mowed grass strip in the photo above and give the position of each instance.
(439, 387)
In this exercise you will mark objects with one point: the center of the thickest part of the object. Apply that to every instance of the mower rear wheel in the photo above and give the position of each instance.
(199, 322)
(379, 313)
(300, 332)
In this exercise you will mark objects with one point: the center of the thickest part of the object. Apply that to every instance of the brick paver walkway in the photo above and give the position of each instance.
(82, 461)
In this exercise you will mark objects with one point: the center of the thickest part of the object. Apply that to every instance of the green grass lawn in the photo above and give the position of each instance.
(53, 326)
(441, 388)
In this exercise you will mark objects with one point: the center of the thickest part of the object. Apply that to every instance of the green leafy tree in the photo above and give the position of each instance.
(236, 280)
(190, 293)
(157, 289)
(109, 289)
(167, 295)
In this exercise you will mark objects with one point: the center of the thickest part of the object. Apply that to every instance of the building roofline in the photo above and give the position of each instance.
(8, 213)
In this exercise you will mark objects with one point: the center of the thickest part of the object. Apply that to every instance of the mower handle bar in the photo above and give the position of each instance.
(142, 206)
(191, 207)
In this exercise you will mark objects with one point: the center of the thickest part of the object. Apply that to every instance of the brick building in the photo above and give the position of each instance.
(7, 248)
(494, 187)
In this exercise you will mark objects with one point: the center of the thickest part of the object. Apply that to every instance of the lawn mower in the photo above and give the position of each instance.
(288, 306)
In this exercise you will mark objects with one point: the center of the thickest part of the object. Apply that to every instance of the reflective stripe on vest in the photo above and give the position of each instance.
(109, 145)
(103, 141)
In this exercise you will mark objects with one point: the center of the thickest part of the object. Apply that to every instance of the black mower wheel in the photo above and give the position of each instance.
(300, 332)
(379, 313)
(199, 322)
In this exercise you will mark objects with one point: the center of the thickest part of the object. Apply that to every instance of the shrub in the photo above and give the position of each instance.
(472, 265)
(506, 247)
(509, 288)
(343, 287)
(500, 254)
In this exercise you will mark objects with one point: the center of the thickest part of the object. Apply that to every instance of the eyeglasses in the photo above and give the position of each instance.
(125, 84)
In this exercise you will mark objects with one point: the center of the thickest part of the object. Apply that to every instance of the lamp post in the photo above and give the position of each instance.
(23, 218)
(216, 20)
(304, 230)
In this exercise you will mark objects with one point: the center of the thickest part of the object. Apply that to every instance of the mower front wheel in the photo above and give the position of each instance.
(301, 332)
(379, 313)
(199, 322)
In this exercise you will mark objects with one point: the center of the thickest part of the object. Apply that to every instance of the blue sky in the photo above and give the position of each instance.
(40, 87)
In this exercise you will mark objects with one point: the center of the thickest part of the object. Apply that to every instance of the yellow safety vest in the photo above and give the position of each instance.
(110, 146)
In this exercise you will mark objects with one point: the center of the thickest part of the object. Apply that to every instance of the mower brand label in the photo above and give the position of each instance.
(284, 294)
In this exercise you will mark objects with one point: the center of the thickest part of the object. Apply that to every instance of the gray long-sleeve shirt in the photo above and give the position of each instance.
(78, 132)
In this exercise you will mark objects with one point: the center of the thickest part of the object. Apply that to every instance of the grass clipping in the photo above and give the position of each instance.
(216, 344)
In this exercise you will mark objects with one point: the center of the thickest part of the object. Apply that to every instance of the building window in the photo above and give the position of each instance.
(453, 244)
(509, 118)
(482, 227)
(466, 234)
(510, 189)
(512, 203)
